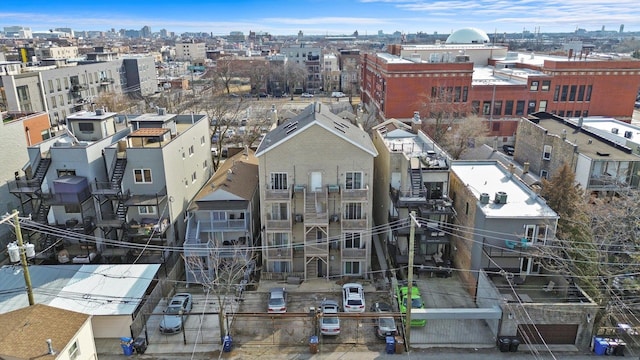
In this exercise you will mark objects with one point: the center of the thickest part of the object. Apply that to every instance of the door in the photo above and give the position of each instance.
(525, 265)
(316, 181)
(550, 333)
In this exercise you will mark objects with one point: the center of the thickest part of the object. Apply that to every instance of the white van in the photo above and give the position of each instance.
(337, 94)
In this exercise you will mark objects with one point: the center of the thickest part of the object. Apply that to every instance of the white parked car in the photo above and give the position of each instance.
(329, 322)
(353, 297)
(306, 95)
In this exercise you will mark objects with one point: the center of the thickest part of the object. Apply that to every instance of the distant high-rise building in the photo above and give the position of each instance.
(300, 35)
(621, 28)
(19, 32)
(163, 33)
(145, 32)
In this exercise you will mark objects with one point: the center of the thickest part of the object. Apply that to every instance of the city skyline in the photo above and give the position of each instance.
(326, 17)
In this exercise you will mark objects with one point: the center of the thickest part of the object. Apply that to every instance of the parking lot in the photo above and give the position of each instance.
(297, 325)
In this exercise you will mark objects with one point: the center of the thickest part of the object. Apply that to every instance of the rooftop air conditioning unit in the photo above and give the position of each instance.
(298, 218)
(614, 130)
(501, 197)
(484, 198)
(628, 134)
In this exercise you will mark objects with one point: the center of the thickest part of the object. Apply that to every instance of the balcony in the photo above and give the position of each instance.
(278, 224)
(316, 249)
(355, 194)
(607, 182)
(277, 194)
(352, 224)
(281, 252)
(353, 253)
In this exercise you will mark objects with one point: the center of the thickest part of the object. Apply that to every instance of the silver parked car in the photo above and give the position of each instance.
(329, 322)
(384, 325)
(178, 308)
(277, 300)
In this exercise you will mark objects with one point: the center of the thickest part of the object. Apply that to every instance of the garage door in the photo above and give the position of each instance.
(551, 333)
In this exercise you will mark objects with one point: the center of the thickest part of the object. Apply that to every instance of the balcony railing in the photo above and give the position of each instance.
(277, 194)
(278, 224)
(354, 223)
(606, 182)
(355, 194)
(353, 253)
(275, 253)
(316, 249)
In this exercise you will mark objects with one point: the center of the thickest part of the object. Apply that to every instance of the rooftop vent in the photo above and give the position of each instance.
(628, 134)
(162, 111)
(99, 111)
(501, 197)
(614, 130)
(484, 198)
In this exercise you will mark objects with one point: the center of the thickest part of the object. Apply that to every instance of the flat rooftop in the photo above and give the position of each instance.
(490, 177)
(589, 143)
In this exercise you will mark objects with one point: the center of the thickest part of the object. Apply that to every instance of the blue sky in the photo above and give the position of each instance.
(331, 17)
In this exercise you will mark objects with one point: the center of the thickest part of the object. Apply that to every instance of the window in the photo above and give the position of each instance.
(546, 85)
(53, 101)
(569, 113)
(588, 95)
(544, 174)
(279, 211)
(497, 108)
(546, 153)
(85, 127)
(147, 210)
(541, 235)
(561, 113)
(353, 211)
(50, 83)
(58, 85)
(280, 266)
(279, 181)
(65, 172)
(532, 107)
(354, 181)
(508, 108)
(530, 233)
(520, 107)
(191, 150)
(72, 208)
(458, 94)
(66, 83)
(475, 106)
(142, 176)
(23, 92)
(534, 86)
(543, 105)
(202, 140)
(556, 93)
(572, 93)
(581, 92)
(565, 91)
(352, 268)
(585, 113)
(486, 108)
(465, 93)
(74, 350)
(194, 177)
(353, 241)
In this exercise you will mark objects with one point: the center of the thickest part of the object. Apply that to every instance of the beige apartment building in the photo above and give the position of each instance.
(316, 186)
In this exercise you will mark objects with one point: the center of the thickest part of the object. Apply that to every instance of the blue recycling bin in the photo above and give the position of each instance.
(127, 345)
(391, 345)
(227, 343)
(600, 346)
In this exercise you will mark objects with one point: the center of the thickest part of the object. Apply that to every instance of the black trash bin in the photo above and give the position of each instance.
(619, 350)
(505, 344)
(513, 347)
(140, 344)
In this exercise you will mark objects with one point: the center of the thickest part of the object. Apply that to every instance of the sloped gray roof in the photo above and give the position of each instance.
(316, 114)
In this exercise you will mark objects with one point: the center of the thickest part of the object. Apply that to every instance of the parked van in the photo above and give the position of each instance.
(337, 94)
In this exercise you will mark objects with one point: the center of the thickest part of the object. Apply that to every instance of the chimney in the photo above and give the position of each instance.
(495, 144)
(525, 167)
(416, 122)
(564, 134)
(50, 348)
(512, 169)
(274, 114)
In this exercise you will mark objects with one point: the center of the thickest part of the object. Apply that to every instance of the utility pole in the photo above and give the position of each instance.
(23, 254)
(412, 234)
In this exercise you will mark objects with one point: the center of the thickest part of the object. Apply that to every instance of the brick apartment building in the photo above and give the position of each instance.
(487, 79)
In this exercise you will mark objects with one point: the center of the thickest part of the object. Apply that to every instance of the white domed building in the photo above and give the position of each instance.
(468, 36)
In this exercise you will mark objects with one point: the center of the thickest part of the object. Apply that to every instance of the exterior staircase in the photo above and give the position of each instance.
(41, 170)
(118, 173)
(312, 269)
(416, 183)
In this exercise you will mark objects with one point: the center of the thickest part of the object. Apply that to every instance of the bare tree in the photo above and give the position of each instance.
(224, 271)
(442, 107)
(119, 103)
(367, 116)
(223, 73)
(463, 134)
